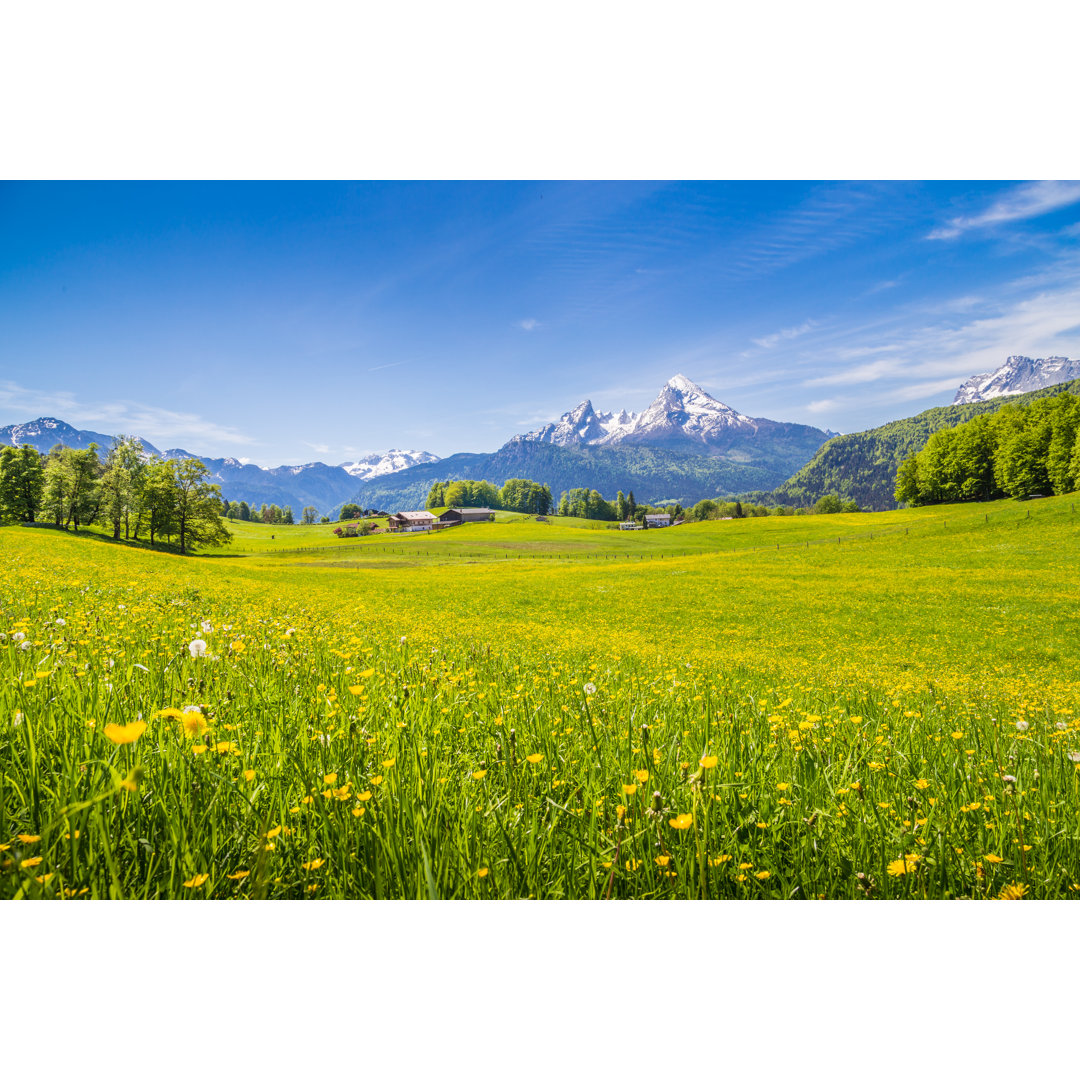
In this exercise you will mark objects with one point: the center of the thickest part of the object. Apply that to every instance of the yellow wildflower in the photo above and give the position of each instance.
(122, 734)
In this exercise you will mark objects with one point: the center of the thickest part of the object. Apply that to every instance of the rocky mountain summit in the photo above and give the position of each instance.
(46, 432)
(1018, 375)
(682, 417)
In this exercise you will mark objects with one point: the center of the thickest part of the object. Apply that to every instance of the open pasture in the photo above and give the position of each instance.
(878, 705)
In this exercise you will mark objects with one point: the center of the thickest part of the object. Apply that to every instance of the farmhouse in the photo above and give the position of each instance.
(462, 515)
(658, 521)
(411, 521)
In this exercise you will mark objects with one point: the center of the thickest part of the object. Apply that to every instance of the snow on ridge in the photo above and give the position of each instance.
(1018, 375)
(372, 465)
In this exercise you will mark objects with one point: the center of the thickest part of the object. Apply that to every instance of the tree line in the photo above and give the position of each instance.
(268, 515)
(526, 496)
(130, 490)
(1018, 452)
(521, 496)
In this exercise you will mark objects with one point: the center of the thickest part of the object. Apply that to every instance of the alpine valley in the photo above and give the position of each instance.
(684, 447)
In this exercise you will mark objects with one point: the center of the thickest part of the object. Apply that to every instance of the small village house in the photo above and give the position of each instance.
(411, 521)
(658, 521)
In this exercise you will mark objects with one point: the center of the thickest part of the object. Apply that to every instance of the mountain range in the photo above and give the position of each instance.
(325, 487)
(685, 446)
(1018, 375)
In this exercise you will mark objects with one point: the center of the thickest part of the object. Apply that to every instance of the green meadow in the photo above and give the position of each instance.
(842, 706)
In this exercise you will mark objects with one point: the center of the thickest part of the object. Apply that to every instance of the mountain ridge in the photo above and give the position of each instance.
(1018, 375)
(312, 484)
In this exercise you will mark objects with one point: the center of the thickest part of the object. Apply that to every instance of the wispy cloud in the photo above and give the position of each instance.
(319, 448)
(787, 334)
(830, 217)
(881, 286)
(383, 367)
(115, 417)
(1025, 201)
(937, 355)
(528, 324)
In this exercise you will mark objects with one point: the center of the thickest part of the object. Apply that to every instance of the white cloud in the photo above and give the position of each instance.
(931, 356)
(528, 324)
(822, 406)
(115, 417)
(1025, 201)
(881, 286)
(319, 448)
(786, 334)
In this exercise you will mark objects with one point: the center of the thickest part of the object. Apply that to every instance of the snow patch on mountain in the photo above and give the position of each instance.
(392, 461)
(1018, 375)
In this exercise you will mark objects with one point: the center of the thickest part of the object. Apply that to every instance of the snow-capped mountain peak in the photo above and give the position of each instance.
(584, 426)
(1018, 375)
(46, 431)
(372, 465)
(682, 411)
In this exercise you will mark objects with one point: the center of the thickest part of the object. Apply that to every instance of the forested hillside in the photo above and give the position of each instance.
(862, 466)
(1022, 450)
(655, 475)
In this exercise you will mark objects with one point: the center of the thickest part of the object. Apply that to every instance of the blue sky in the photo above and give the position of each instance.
(282, 322)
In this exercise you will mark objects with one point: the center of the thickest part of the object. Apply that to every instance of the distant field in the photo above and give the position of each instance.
(762, 707)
